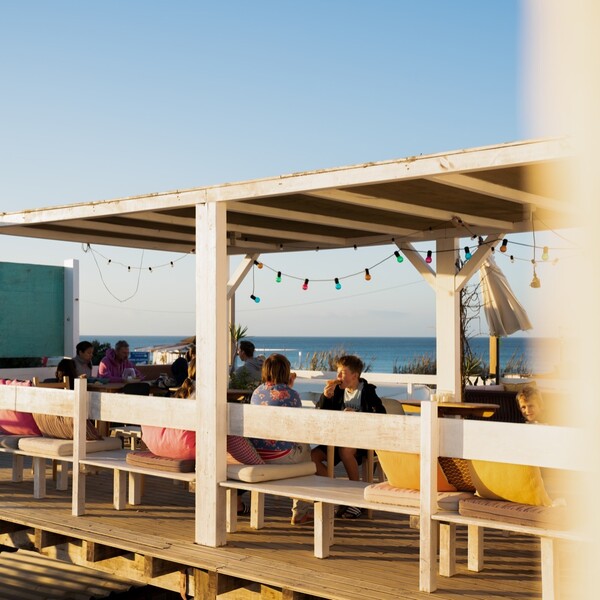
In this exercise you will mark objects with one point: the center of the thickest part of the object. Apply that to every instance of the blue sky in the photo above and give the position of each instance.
(111, 99)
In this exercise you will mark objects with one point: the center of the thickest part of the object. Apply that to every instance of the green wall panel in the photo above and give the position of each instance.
(31, 310)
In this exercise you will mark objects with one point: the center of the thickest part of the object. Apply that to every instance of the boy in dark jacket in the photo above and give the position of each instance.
(348, 392)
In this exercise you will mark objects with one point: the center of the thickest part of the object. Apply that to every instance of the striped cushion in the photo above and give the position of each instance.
(513, 512)
(144, 458)
(388, 494)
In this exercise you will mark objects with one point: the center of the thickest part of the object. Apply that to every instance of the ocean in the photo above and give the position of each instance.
(380, 354)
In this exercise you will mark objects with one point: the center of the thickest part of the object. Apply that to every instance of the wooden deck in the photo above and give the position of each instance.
(153, 543)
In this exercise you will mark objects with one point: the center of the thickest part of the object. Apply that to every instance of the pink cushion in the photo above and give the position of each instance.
(170, 443)
(18, 423)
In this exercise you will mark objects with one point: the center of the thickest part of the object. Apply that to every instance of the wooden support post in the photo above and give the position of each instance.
(447, 549)
(155, 567)
(323, 528)
(210, 584)
(232, 496)
(17, 467)
(62, 475)
(549, 569)
(474, 548)
(136, 481)
(80, 411)
(45, 539)
(257, 510)
(428, 538)
(268, 592)
(39, 477)
(119, 489)
(95, 552)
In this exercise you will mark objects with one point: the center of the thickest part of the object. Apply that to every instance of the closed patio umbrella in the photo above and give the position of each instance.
(503, 312)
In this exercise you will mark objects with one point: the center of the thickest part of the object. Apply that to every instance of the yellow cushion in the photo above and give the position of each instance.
(502, 481)
(403, 471)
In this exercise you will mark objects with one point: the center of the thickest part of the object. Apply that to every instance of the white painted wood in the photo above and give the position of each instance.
(543, 445)
(62, 475)
(487, 188)
(478, 257)
(257, 510)
(406, 208)
(447, 318)
(475, 538)
(39, 477)
(71, 306)
(119, 489)
(418, 262)
(231, 511)
(549, 567)
(17, 468)
(428, 535)
(377, 431)
(211, 394)
(136, 483)
(323, 532)
(447, 549)
(290, 234)
(239, 274)
(79, 448)
(306, 217)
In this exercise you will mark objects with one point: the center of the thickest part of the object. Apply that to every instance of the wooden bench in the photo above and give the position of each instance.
(542, 446)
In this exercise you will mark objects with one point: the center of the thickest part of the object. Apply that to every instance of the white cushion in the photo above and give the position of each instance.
(387, 494)
(255, 473)
(56, 447)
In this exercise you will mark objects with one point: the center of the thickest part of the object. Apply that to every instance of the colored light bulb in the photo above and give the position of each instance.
(258, 264)
(398, 256)
(545, 253)
(467, 253)
(535, 282)
(512, 258)
(338, 285)
(255, 298)
(428, 259)
(305, 285)
(278, 278)
(367, 275)
(504, 244)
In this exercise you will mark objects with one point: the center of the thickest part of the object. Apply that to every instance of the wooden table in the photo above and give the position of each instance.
(242, 396)
(453, 409)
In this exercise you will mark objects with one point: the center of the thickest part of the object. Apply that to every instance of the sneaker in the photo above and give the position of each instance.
(303, 519)
(341, 509)
(352, 512)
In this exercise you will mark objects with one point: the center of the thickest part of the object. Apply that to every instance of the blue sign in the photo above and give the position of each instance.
(138, 358)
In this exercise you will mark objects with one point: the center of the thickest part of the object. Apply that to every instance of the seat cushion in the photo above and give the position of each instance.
(56, 426)
(18, 423)
(388, 494)
(144, 458)
(269, 472)
(11, 442)
(514, 512)
(56, 447)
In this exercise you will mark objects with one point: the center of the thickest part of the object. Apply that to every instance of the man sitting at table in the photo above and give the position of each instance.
(252, 367)
(114, 363)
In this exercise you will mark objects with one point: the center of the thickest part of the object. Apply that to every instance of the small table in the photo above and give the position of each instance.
(454, 409)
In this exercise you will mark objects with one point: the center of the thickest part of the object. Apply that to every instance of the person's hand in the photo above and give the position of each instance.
(84, 376)
(330, 387)
(292, 379)
(349, 410)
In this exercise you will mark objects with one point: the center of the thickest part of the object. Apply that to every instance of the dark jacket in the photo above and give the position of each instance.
(370, 402)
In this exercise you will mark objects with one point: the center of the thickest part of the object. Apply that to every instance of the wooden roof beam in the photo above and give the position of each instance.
(474, 184)
(304, 217)
(406, 208)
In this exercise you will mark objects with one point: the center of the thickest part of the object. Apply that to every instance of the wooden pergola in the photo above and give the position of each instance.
(488, 192)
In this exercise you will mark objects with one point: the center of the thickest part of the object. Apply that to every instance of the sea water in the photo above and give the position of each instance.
(380, 354)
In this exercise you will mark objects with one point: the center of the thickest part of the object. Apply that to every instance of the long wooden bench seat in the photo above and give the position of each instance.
(325, 492)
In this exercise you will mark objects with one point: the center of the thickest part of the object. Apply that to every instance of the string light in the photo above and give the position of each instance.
(503, 246)
(305, 285)
(367, 275)
(512, 258)
(109, 261)
(258, 264)
(278, 278)
(468, 254)
(428, 259)
(255, 298)
(535, 282)
(398, 256)
(545, 255)
(338, 285)
(480, 241)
